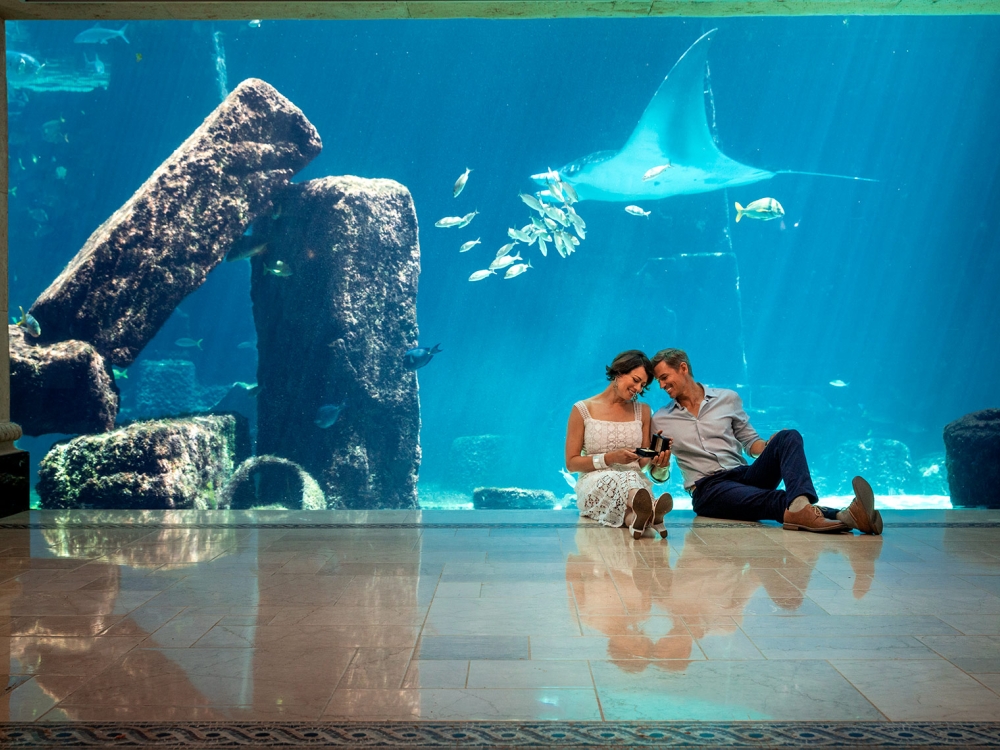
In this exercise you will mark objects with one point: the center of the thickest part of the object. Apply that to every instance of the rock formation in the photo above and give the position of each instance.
(169, 464)
(273, 482)
(159, 247)
(972, 449)
(334, 301)
(65, 387)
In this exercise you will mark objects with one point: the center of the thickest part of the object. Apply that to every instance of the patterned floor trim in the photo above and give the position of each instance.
(506, 734)
(554, 525)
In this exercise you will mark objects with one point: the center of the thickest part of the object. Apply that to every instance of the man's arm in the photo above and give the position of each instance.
(744, 431)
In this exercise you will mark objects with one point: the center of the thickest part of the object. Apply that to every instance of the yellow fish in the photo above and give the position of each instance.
(763, 209)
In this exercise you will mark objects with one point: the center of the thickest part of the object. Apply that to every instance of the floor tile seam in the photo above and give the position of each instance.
(420, 632)
(597, 694)
(333, 692)
(988, 687)
(858, 690)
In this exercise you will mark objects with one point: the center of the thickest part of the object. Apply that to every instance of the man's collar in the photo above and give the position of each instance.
(709, 393)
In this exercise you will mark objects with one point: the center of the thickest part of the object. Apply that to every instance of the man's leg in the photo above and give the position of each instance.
(784, 459)
(728, 497)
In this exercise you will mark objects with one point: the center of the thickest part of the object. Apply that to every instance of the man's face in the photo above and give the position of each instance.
(670, 380)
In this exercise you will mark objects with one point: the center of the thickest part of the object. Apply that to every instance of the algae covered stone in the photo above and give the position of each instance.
(165, 464)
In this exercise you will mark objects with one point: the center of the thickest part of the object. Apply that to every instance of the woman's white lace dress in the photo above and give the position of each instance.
(601, 495)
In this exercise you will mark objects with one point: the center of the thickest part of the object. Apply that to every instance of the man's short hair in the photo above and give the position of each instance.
(672, 358)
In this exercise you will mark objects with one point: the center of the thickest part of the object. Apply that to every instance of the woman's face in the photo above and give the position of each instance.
(630, 384)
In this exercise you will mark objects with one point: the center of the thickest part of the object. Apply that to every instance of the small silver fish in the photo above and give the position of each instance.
(505, 249)
(29, 324)
(651, 173)
(517, 270)
(505, 261)
(278, 269)
(570, 193)
(450, 221)
(467, 246)
(838, 383)
(570, 478)
(244, 250)
(764, 209)
(119, 374)
(543, 246)
(480, 275)
(187, 343)
(460, 183)
(254, 24)
(530, 201)
(558, 214)
(246, 345)
(557, 240)
(636, 211)
(519, 235)
(556, 190)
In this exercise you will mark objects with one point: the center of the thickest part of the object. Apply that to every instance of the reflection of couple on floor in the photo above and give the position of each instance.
(619, 587)
(708, 432)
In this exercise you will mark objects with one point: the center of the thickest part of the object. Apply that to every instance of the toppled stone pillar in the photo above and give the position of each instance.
(972, 456)
(65, 387)
(169, 464)
(334, 302)
(159, 247)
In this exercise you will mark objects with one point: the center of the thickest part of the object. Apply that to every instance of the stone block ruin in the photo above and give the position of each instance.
(351, 303)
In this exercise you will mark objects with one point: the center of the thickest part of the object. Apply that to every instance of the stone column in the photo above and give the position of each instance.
(13, 462)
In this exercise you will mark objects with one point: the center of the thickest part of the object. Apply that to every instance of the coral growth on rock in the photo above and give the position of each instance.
(162, 464)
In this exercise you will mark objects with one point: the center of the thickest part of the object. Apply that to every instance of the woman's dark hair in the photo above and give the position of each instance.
(628, 361)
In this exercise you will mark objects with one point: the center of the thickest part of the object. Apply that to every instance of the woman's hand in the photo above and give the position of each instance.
(623, 456)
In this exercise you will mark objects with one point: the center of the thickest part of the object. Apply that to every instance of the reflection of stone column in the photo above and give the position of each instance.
(334, 302)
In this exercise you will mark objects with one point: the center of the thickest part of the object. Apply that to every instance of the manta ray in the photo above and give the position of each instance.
(673, 130)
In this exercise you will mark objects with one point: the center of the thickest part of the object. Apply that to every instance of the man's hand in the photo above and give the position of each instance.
(659, 466)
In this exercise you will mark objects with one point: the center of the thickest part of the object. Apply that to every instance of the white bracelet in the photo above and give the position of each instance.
(599, 461)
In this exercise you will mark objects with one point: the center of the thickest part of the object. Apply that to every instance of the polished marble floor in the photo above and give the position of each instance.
(485, 616)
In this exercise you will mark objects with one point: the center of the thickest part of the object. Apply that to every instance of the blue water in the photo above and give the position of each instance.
(890, 287)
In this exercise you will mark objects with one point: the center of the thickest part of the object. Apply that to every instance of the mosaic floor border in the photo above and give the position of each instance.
(499, 525)
(506, 734)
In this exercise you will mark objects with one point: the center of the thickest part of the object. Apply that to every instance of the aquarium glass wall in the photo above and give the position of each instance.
(315, 265)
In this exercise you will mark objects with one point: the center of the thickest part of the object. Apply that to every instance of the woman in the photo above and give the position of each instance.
(601, 439)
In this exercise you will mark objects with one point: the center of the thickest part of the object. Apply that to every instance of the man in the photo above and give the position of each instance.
(710, 431)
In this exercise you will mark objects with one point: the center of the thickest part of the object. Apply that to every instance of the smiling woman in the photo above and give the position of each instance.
(602, 439)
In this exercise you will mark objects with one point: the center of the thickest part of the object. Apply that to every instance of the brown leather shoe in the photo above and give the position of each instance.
(810, 518)
(867, 520)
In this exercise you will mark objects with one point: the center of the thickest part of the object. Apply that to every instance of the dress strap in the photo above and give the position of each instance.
(582, 408)
(637, 410)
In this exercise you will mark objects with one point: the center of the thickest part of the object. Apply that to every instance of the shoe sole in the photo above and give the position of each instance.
(661, 506)
(863, 492)
(836, 529)
(642, 506)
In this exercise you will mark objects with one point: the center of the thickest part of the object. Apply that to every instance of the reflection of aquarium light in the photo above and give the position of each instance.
(549, 700)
